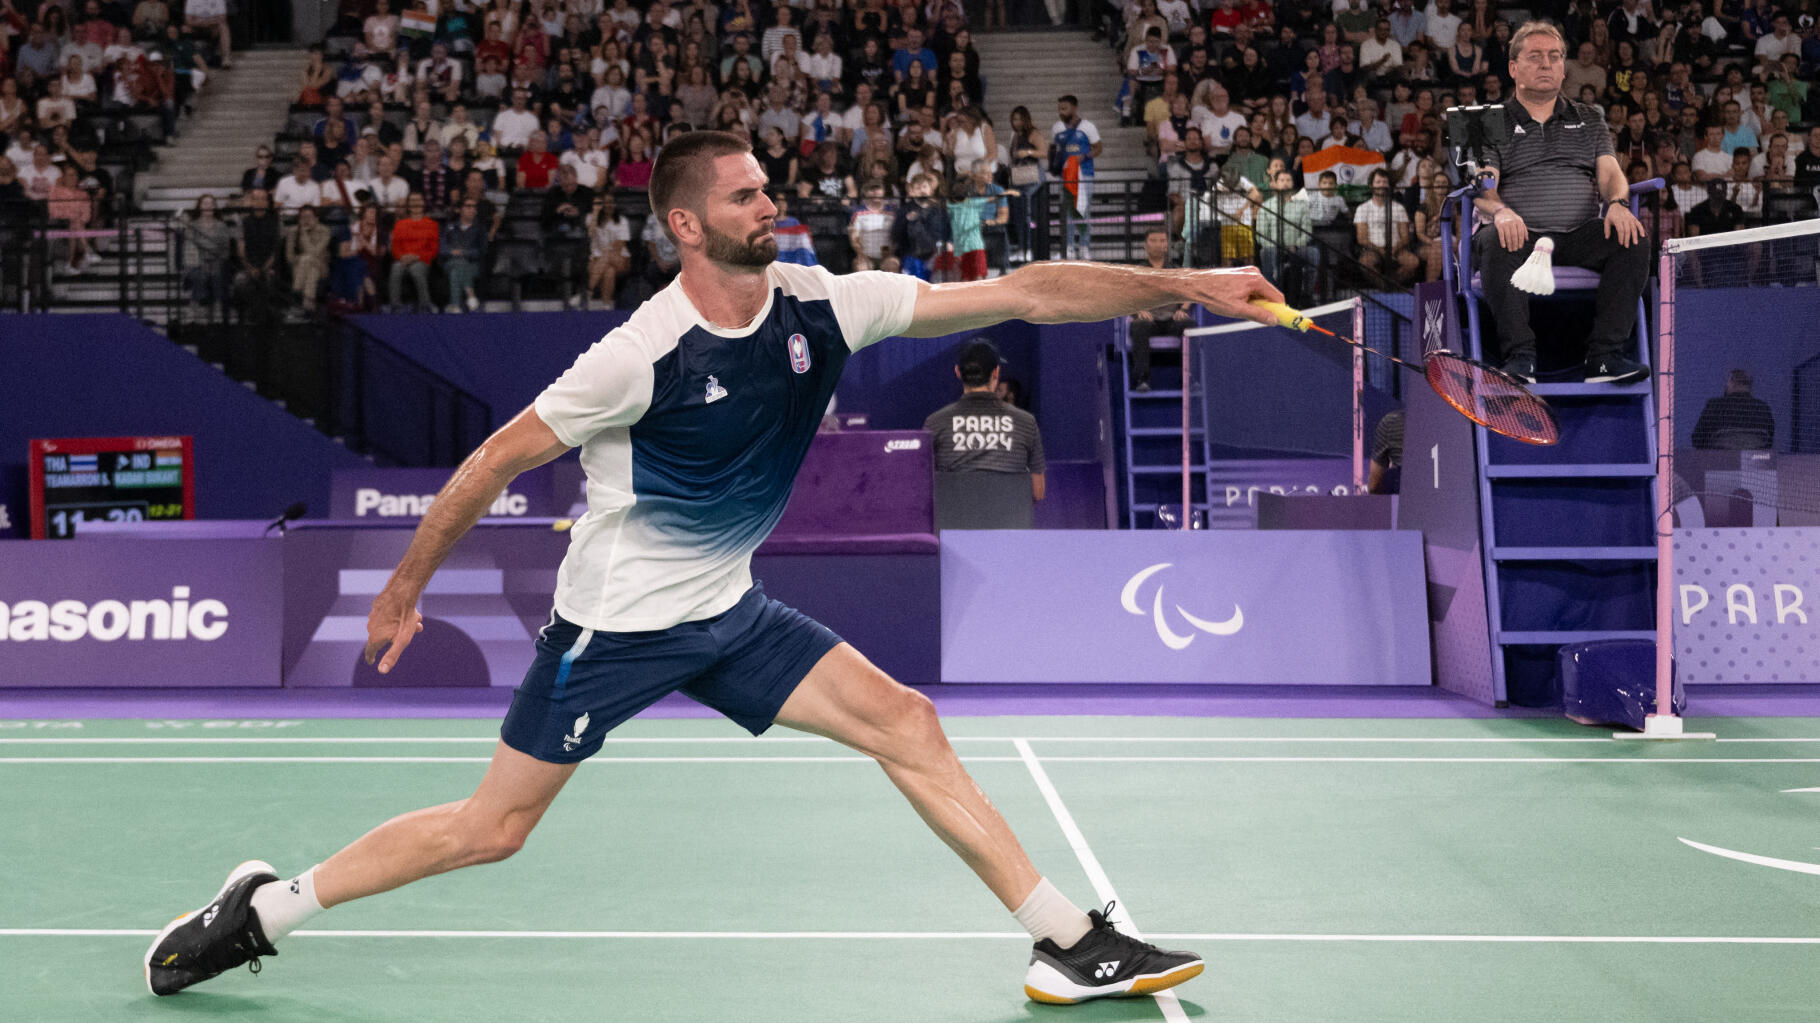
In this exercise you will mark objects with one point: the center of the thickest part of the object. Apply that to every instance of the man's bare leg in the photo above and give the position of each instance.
(847, 699)
(255, 908)
(1073, 959)
(486, 827)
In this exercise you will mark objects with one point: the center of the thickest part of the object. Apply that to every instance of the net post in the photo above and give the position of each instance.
(1358, 391)
(1665, 478)
(1665, 723)
(1187, 442)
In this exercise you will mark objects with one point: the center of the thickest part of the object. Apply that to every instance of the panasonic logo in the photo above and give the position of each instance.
(908, 444)
(370, 501)
(66, 621)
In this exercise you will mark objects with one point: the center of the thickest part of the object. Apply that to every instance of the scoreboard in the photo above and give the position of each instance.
(109, 479)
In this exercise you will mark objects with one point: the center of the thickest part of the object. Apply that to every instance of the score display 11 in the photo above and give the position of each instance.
(75, 480)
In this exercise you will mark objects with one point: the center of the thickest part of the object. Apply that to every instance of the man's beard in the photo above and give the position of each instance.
(728, 250)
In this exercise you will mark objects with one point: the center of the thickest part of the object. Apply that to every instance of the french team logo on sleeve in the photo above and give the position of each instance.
(799, 353)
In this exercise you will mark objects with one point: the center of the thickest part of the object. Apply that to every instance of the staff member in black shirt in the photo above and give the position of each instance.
(980, 433)
(1736, 420)
(1556, 175)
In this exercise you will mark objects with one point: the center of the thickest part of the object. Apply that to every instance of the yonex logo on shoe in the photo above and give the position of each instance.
(209, 917)
(1106, 970)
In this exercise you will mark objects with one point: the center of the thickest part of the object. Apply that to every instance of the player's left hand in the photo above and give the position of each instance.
(1619, 219)
(1229, 293)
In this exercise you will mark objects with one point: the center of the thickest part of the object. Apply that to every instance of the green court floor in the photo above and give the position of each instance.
(1328, 870)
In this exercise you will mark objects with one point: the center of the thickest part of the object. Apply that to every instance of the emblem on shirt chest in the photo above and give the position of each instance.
(798, 347)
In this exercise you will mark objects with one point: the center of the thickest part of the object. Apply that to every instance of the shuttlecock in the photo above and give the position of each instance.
(1537, 274)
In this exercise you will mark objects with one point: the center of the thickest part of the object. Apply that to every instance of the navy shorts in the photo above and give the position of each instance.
(744, 662)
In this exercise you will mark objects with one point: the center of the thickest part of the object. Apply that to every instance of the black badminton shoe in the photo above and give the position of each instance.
(1521, 366)
(214, 939)
(1614, 369)
(1104, 964)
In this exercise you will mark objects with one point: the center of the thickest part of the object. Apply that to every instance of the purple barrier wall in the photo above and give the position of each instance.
(1290, 608)
(1075, 497)
(866, 483)
(504, 359)
(480, 612)
(110, 376)
(886, 605)
(1747, 605)
(122, 612)
(485, 605)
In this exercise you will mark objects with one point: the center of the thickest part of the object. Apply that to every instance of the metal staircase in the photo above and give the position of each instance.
(1153, 437)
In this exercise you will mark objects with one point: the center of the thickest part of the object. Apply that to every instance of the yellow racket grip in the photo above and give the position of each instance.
(1286, 316)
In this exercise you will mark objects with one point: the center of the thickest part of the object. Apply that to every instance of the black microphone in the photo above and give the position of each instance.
(291, 514)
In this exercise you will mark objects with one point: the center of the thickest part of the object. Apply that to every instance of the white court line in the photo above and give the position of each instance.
(1102, 885)
(671, 740)
(456, 760)
(971, 759)
(1449, 939)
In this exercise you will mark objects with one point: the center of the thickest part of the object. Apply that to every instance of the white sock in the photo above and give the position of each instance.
(1047, 913)
(283, 906)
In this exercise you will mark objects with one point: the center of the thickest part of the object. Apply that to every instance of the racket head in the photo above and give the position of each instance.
(1491, 397)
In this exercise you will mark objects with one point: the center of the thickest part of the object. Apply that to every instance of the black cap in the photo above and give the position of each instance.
(978, 358)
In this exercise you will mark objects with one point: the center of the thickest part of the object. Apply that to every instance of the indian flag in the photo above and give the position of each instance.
(417, 23)
(1352, 165)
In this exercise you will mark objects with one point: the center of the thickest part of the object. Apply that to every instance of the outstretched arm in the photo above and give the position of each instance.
(1085, 292)
(524, 443)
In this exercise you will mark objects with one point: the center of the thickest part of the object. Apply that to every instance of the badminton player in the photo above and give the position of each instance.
(692, 418)
(1558, 178)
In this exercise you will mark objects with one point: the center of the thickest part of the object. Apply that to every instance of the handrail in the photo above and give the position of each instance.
(454, 421)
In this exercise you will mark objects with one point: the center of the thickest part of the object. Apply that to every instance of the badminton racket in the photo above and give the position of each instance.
(1484, 394)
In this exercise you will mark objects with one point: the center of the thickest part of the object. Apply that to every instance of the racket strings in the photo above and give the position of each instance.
(1491, 399)
(1485, 395)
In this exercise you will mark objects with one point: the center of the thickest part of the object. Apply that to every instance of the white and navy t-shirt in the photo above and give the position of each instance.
(691, 436)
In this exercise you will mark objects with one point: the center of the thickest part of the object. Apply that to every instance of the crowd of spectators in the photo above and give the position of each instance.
(1718, 101)
(540, 120)
(79, 76)
(523, 131)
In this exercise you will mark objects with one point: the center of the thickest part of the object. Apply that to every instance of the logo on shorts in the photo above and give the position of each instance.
(799, 353)
(569, 742)
(715, 391)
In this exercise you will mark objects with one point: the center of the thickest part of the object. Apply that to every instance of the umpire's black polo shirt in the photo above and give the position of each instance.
(1548, 173)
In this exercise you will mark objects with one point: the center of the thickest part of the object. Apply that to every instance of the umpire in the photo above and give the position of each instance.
(981, 434)
(1556, 175)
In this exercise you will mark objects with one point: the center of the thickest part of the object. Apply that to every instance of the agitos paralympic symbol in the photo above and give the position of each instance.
(1172, 639)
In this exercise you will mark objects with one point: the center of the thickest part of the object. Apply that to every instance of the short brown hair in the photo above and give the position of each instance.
(1530, 28)
(685, 168)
